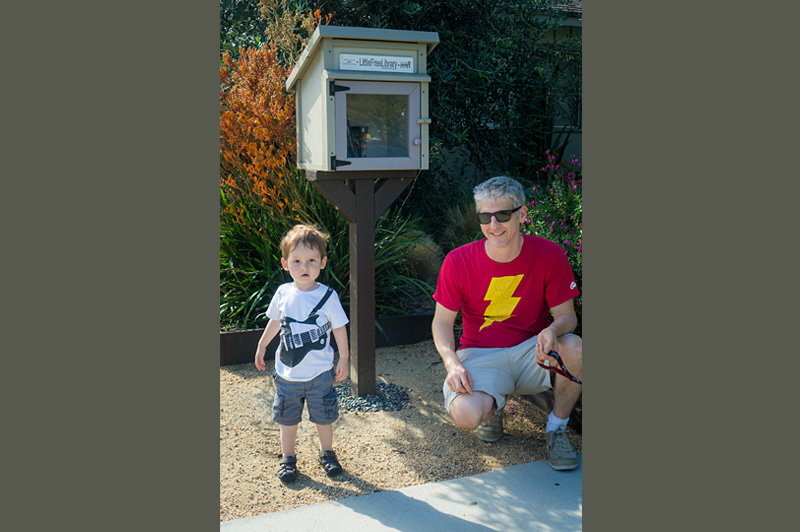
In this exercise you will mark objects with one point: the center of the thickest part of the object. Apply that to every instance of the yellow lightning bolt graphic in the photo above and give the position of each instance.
(501, 294)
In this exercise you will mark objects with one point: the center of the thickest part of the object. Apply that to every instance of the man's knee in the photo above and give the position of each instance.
(571, 347)
(467, 411)
(571, 351)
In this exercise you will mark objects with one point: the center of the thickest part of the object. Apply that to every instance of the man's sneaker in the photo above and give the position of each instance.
(561, 454)
(491, 430)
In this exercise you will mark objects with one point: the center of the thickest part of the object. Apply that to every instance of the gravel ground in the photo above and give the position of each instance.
(409, 441)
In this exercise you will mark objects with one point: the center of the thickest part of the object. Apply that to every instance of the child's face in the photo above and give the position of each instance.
(304, 264)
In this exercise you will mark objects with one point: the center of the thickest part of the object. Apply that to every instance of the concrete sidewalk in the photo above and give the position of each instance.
(526, 497)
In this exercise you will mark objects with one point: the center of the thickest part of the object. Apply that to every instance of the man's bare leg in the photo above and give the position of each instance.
(565, 391)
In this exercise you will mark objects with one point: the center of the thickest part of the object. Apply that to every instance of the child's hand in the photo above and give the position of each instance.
(342, 369)
(260, 364)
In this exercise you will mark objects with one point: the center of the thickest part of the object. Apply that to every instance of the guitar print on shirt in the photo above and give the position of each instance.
(299, 337)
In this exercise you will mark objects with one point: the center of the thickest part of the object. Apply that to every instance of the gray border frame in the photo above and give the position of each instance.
(687, 205)
(112, 215)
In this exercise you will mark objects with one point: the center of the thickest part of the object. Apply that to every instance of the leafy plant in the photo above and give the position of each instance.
(497, 76)
(460, 225)
(555, 212)
(250, 268)
(263, 194)
(289, 25)
(239, 26)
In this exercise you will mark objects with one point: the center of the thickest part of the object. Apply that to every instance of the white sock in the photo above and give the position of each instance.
(554, 423)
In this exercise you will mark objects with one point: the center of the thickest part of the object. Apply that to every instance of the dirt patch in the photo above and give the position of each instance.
(378, 450)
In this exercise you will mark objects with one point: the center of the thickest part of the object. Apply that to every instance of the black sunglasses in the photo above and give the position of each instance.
(562, 370)
(502, 216)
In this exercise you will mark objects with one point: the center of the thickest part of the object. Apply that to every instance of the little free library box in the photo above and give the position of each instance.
(362, 99)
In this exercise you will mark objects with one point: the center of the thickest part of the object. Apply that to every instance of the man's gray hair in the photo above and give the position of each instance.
(497, 188)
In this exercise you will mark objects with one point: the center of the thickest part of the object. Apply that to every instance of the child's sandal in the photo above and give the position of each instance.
(287, 472)
(329, 463)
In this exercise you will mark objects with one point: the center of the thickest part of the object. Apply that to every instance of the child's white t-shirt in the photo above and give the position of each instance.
(305, 341)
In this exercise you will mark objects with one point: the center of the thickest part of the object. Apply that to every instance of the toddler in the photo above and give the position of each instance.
(305, 313)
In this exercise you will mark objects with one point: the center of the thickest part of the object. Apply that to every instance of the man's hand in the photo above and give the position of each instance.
(458, 379)
(564, 321)
(546, 341)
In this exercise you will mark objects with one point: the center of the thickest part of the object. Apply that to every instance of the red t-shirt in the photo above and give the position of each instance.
(504, 304)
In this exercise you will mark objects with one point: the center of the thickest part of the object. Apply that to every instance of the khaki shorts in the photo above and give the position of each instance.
(499, 371)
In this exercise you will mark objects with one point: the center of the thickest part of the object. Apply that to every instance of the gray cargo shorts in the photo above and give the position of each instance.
(319, 393)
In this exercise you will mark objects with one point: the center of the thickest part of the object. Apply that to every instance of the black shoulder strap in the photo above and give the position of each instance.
(322, 301)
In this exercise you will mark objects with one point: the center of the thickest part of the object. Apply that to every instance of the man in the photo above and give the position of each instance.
(506, 287)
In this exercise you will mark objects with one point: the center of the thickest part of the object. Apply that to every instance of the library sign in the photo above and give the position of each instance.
(376, 63)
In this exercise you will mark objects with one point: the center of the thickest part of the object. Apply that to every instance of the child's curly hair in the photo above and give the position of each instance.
(310, 236)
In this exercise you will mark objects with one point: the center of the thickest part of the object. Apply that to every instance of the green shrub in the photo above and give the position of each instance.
(447, 184)
(250, 269)
(555, 212)
(240, 26)
(460, 225)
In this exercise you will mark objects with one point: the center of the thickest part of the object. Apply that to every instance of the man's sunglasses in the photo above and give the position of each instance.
(502, 216)
(562, 370)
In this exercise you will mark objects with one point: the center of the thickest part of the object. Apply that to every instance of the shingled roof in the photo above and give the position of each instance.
(572, 6)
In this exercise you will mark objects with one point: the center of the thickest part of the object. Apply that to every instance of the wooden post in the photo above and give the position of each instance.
(362, 203)
(362, 290)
